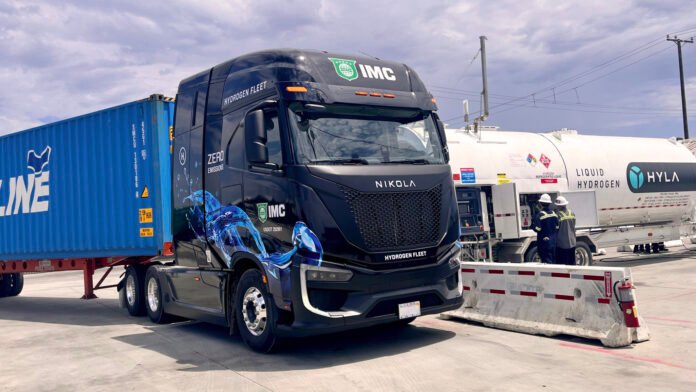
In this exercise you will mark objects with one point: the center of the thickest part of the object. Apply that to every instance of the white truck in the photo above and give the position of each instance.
(623, 190)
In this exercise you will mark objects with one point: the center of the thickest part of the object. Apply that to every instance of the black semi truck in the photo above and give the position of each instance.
(309, 193)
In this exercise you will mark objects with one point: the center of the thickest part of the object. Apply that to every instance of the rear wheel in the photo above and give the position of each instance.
(583, 254)
(255, 312)
(134, 290)
(153, 297)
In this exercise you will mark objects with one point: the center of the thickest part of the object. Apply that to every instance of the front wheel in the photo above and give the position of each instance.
(255, 312)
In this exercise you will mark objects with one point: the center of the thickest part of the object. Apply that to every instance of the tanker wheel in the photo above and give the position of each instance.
(583, 254)
(134, 290)
(532, 255)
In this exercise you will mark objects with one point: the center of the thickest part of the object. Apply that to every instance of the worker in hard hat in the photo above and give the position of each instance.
(565, 242)
(545, 223)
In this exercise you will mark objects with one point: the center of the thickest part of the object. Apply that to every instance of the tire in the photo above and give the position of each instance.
(255, 313)
(154, 304)
(11, 285)
(17, 284)
(583, 254)
(532, 255)
(5, 285)
(134, 290)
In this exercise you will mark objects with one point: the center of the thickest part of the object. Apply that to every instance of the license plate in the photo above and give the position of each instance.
(410, 309)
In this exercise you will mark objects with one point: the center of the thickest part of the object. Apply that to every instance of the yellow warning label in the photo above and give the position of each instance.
(501, 175)
(503, 181)
(145, 215)
(147, 232)
(145, 194)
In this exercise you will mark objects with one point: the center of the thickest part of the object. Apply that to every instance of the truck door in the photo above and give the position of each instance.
(506, 211)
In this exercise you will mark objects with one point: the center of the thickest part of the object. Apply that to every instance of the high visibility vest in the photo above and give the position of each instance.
(565, 215)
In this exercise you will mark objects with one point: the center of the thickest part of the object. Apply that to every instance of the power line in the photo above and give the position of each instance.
(583, 84)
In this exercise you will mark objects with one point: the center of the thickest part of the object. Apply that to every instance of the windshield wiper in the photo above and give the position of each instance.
(419, 161)
(343, 161)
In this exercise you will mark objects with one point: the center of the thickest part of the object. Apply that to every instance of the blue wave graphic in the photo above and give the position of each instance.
(222, 225)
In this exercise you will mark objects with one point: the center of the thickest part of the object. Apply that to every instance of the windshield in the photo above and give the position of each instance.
(349, 134)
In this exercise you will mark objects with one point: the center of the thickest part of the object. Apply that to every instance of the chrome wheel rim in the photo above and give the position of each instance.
(254, 311)
(130, 290)
(153, 294)
(581, 256)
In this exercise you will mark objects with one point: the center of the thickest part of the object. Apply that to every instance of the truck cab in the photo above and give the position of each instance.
(311, 193)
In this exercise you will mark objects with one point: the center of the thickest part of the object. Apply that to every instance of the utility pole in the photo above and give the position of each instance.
(484, 92)
(679, 43)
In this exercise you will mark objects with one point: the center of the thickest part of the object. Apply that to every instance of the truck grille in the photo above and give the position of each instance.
(388, 220)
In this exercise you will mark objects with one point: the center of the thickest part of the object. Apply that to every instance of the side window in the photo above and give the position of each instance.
(275, 154)
(233, 129)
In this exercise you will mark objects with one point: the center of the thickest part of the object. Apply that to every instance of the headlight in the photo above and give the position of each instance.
(328, 275)
(456, 259)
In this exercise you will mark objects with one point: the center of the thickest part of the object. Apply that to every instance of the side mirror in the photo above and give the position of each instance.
(443, 137)
(256, 137)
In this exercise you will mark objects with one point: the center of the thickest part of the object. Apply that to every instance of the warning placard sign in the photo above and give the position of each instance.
(146, 215)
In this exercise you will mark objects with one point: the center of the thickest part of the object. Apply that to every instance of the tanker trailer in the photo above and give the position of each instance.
(623, 190)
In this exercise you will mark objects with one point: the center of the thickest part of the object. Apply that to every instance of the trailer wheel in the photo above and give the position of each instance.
(17, 284)
(153, 298)
(134, 290)
(583, 254)
(532, 255)
(11, 285)
(255, 312)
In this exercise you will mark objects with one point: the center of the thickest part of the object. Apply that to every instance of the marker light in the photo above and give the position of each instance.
(329, 275)
(361, 93)
(375, 94)
(433, 100)
(385, 95)
(296, 89)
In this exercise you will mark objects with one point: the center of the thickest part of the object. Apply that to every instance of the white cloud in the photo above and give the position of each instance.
(64, 59)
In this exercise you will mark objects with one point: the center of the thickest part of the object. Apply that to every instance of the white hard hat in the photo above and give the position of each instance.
(545, 198)
(561, 201)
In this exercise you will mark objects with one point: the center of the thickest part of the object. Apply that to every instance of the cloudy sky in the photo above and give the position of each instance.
(607, 62)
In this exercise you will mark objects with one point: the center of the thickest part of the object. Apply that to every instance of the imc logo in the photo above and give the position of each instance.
(348, 70)
(28, 195)
(636, 177)
(265, 211)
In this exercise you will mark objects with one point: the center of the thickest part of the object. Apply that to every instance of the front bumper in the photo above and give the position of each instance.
(369, 297)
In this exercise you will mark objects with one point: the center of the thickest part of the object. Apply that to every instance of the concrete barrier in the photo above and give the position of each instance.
(552, 300)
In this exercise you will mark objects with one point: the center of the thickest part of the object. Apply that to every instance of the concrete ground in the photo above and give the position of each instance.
(52, 340)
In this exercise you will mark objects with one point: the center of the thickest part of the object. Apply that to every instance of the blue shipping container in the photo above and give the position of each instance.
(97, 185)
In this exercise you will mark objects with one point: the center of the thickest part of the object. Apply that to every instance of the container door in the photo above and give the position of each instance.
(506, 211)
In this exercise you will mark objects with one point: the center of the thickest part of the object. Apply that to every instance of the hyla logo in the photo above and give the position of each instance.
(636, 177)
